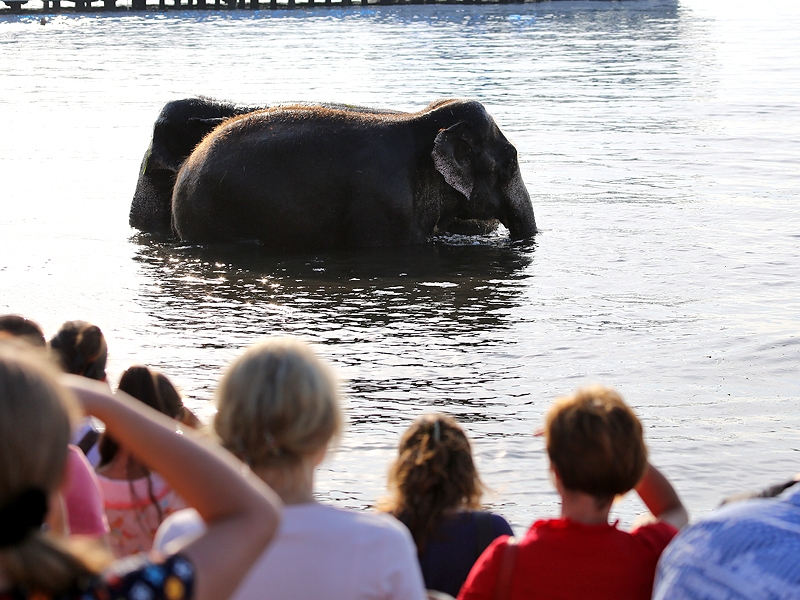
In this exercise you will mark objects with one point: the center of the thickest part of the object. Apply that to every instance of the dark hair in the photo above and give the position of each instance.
(434, 472)
(171, 399)
(81, 349)
(137, 381)
(595, 443)
(20, 327)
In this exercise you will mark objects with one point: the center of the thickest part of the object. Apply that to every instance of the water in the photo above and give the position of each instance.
(659, 141)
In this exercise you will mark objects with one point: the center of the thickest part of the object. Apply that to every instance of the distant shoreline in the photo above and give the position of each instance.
(143, 6)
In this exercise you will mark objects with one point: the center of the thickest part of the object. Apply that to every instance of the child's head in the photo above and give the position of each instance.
(81, 349)
(35, 416)
(16, 326)
(277, 403)
(173, 404)
(34, 423)
(595, 443)
(138, 382)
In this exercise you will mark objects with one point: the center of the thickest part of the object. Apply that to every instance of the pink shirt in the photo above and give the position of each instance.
(83, 498)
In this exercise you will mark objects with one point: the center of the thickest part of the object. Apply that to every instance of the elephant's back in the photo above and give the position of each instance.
(308, 170)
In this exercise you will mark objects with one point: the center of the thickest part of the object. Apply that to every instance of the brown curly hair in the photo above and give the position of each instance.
(434, 473)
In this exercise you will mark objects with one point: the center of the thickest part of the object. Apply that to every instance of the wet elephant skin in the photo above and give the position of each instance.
(322, 177)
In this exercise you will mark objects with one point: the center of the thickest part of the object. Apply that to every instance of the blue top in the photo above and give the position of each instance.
(454, 547)
(745, 551)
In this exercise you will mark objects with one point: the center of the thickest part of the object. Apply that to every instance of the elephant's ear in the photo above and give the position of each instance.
(451, 156)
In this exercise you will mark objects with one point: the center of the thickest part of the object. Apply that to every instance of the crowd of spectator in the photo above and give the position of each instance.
(100, 499)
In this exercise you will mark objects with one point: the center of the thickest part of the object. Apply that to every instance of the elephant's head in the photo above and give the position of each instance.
(476, 159)
(181, 125)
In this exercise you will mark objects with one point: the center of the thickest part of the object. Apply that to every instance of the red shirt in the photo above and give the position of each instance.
(560, 559)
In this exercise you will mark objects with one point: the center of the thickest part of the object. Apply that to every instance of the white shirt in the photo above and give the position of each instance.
(322, 552)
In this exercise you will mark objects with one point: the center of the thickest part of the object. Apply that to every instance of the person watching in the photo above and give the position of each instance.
(597, 452)
(436, 493)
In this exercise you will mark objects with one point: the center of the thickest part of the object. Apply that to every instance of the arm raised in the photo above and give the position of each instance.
(661, 499)
(241, 511)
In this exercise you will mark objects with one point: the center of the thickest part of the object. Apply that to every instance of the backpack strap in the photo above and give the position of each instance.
(502, 586)
(483, 532)
(88, 440)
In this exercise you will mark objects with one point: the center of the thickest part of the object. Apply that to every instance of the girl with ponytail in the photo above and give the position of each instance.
(435, 490)
(80, 349)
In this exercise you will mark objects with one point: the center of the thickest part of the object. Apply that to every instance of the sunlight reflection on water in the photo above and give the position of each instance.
(659, 141)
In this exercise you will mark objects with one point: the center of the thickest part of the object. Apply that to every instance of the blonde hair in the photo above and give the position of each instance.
(277, 403)
(595, 442)
(35, 417)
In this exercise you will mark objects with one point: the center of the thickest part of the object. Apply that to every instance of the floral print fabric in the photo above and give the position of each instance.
(135, 509)
(134, 578)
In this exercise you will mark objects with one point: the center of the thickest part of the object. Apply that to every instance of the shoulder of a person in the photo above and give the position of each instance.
(754, 513)
(752, 508)
(179, 525)
(77, 464)
(655, 528)
(499, 523)
(381, 524)
(656, 535)
(359, 526)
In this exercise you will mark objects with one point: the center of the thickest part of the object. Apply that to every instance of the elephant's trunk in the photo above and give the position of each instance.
(518, 216)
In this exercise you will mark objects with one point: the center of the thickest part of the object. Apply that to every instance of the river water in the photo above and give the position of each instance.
(659, 141)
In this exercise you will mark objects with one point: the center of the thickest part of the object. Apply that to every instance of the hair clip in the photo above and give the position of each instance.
(437, 432)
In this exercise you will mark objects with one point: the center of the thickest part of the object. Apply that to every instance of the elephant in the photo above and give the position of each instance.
(180, 126)
(316, 177)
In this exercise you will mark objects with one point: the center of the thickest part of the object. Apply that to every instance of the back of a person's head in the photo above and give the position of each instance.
(277, 403)
(433, 473)
(81, 349)
(20, 327)
(137, 381)
(172, 402)
(34, 433)
(595, 443)
(140, 382)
